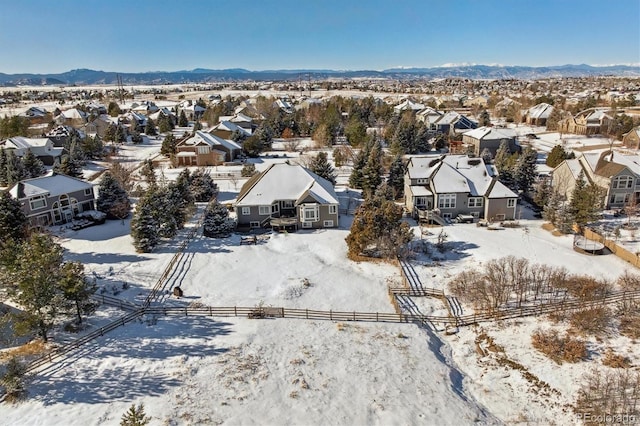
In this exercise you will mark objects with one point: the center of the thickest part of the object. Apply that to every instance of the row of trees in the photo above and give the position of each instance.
(515, 282)
(14, 169)
(517, 170)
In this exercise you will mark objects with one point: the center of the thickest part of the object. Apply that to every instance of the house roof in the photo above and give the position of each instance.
(491, 133)
(541, 110)
(499, 190)
(408, 105)
(458, 173)
(211, 140)
(421, 191)
(40, 147)
(48, 185)
(286, 182)
(230, 127)
(73, 114)
(610, 164)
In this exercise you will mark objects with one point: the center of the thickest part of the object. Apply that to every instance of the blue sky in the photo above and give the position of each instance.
(46, 36)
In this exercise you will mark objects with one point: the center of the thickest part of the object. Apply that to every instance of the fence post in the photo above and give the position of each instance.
(235, 311)
(307, 312)
(377, 320)
(330, 315)
(210, 312)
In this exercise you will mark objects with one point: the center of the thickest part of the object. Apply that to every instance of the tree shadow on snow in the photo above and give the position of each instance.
(106, 372)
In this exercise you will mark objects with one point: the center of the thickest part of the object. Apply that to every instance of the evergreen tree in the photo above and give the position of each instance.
(92, 147)
(135, 416)
(377, 229)
(216, 221)
(339, 157)
(486, 156)
(150, 128)
(112, 198)
(552, 206)
(372, 173)
(77, 289)
(202, 186)
(422, 138)
(543, 193)
(147, 171)
(13, 222)
(248, 170)
(3, 167)
(145, 223)
(168, 145)
(165, 124)
(557, 156)
(356, 132)
(396, 177)
(525, 170)
(586, 201)
(13, 126)
(504, 163)
(182, 120)
(15, 170)
(356, 178)
(113, 109)
(33, 167)
(404, 138)
(68, 167)
(33, 272)
(484, 119)
(13, 380)
(320, 165)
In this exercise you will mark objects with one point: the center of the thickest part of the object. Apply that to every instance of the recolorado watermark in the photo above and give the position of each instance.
(620, 419)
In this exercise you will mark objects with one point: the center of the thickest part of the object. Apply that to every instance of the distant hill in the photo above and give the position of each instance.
(201, 75)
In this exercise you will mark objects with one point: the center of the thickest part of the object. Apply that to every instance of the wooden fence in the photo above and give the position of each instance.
(615, 248)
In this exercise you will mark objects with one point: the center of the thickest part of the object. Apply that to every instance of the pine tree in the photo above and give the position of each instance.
(182, 120)
(556, 156)
(248, 170)
(33, 167)
(356, 178)
(92, 147)
(377, 229)
(77, 289)
(112, 198)
(486, 156)
(3, 167)
(168, 145)
(216, 221)
(422, 138)
(150, 128)
(372, 173)
(396, 177)
(135, 416)
(320, 165)
(68, 167)
(202, 186)
(484, 119)
(13, 222)
(504, 163)
(586, 201)
(34, 271)
(145, 224)
(13, 380)
(15, 171)
(147, 171)
(165, 124)
(525, 170)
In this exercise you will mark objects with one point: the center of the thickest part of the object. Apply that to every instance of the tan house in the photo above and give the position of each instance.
(589, 122)
(632, 138)
(439, 188)
(617, 174)
(287, 196)
(205, 149)
(538, 115)
(490, 138)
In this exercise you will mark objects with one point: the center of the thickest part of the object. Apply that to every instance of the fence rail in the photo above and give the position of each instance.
(115, 302)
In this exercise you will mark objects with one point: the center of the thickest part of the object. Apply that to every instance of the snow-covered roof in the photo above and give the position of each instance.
(408, 105)
(211, 140)
(21, 142)
(448, 118)
(499, 190)
(229, 126)
(541, 110)
(73, 114)
(632, 162)
(48, 185)
(421, 191)
(491, 133)
(286, 182)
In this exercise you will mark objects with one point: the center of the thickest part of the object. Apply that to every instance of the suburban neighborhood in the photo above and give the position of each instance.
(304, 215)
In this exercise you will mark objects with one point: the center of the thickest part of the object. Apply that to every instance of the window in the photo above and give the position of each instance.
(88, 191)
(246, 211)
(309, 213)
(511, 202)
(306, 224)
(287, 204)
(254, 224)
(475, 214)
(422, 181)
(203, 150)
(622, 182)
(38, 202)
(275, 208)
(620, 198)
(476, 201)
(327, 224)
(421, 201)
(264, 210)
(446, 216)
(333, 210)
(447, 201)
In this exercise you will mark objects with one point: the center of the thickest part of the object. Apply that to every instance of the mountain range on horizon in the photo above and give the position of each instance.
(203, 75)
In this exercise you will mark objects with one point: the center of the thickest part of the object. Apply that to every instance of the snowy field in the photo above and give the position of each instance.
(284, 371)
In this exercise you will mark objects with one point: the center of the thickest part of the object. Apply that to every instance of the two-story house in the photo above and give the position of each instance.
(53, 200)
(42, 148)
(617, 174)
(206, 149)
(287, 196)
(490, 138)
(439, 188)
